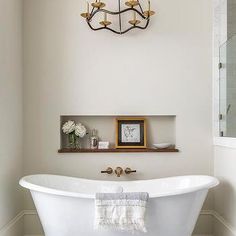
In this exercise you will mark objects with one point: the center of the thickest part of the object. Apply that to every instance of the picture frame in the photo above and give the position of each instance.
(131, 132)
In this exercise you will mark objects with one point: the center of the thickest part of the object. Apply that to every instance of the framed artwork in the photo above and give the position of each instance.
(131, 132)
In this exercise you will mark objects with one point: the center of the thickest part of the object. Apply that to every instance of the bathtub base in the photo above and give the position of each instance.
(70, 216)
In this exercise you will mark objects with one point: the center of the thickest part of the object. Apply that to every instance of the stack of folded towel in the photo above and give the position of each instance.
(120, 211)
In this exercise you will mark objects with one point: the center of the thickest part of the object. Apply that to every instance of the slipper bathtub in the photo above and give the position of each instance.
(65, 205)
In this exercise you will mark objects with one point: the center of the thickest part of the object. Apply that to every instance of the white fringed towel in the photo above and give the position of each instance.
(120, 211)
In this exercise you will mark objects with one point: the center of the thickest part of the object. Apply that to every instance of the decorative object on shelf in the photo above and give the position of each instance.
(69, 129)
(103, 145)
(131, 132)
(80, 132)
(133, 6)
(94, 140)
(162, 145)
(75, 132)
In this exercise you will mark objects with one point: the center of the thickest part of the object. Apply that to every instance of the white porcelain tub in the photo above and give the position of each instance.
(66, 205)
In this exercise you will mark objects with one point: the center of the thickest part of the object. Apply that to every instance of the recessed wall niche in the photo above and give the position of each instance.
(160, 129)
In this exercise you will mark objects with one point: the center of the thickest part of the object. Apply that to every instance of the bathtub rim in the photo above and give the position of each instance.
(34, 187)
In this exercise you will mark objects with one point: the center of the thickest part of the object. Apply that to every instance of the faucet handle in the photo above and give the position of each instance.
(108, 171)
(129, 171)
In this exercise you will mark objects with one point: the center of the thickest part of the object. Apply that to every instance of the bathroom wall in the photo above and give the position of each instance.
(224, 157)
(10, 117)
(164, 70)
(225, 204)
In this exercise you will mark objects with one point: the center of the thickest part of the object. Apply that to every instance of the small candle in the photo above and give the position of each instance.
(105, 16)
(134, 15)
(149, 5)
(87, 7)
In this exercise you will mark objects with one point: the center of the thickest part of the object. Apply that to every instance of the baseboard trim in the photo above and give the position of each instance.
(23, 213)
(220, 219)
(206, 212)
(202, 235)
(15, 220)
(30, 212)
(226, 224)
(11, 223)
(33, 235)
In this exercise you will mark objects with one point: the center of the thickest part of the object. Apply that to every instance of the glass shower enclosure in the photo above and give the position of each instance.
(227, 85)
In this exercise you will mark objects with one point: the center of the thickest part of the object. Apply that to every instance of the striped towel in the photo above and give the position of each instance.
(120, 211)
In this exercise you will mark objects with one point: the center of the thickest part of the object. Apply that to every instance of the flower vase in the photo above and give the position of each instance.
(71, 140)
(77, 143)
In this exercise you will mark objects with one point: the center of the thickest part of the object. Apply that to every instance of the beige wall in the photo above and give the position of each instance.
(172, 60)
(224, 157)
(225, 196)
(10, 110)
(69, 69)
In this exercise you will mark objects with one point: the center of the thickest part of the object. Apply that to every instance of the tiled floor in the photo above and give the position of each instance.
(193, 235)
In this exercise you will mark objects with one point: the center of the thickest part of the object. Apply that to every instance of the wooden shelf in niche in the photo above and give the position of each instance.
(114, 150)
(160, 129)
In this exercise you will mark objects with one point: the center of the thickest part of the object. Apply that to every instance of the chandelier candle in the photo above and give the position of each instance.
(133, 6)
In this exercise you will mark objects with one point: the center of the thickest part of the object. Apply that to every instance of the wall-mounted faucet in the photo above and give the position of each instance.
(118, 171)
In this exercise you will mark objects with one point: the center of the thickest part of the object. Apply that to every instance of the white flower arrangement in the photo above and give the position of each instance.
(68, 127)
(74, 132)
(80, 130)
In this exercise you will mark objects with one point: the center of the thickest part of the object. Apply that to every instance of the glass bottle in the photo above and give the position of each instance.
(94, 140)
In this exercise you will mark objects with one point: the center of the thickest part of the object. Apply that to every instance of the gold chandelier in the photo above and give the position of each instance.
(133, 6)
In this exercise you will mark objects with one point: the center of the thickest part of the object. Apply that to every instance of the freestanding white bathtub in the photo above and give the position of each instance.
(66, 205)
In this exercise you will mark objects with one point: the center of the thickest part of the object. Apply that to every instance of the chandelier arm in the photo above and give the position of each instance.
(116, 13)
(136, 27)
(120, 17)
(140, 7)
(92, 10)
(117, 32)
(101, 28)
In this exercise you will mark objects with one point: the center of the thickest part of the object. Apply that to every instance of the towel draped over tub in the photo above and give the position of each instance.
(121, 211)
